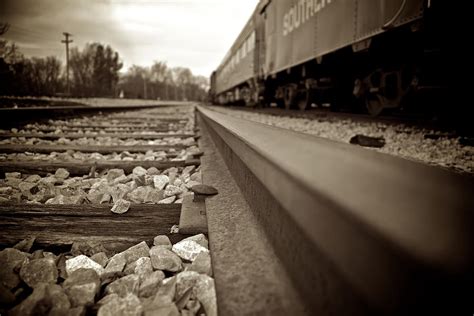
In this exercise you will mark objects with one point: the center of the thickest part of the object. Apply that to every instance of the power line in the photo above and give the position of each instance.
(31, 33)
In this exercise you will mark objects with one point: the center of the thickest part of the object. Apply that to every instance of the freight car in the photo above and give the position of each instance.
(300, 53)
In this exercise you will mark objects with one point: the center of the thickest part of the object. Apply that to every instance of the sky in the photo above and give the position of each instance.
(188, 33)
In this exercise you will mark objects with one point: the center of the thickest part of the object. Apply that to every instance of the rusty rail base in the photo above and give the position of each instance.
(357, 231)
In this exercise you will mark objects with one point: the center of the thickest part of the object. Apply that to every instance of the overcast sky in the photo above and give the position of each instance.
(189, 33)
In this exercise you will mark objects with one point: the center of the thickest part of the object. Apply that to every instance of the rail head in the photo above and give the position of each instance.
(378, 218)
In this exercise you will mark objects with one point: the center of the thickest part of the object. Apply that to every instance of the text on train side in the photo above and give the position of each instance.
(300, 12)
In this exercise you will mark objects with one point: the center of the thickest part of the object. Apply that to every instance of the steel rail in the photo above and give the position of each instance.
(358, 231)
(14, 116)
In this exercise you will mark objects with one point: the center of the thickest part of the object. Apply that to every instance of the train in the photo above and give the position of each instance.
(366, 54)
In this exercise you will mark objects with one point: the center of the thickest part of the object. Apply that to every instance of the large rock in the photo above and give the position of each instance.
(119, 191)
(10, 262)
(129, 284)
(150, 284)
(44, 298)
(153, 196)
(163, 241)
(112, 174)
(140, 266)
(160, 181)
(139, 194)
(39, 271)
(34, 178)
(115, 265)
(167, 200)
(204, 290)
(164, 259)
(101, 258)
(172, 190)
(12, 175)
(117, 306)
(188, 169)
(166, 291)
(202, 264)
(25, 245)
(61, 174)
(139, 171)
(200, 239)
(85, 262)
(188, 249)
(184, 281)
(196, 177)
(135, 252)
(82, 286)
(120, 206)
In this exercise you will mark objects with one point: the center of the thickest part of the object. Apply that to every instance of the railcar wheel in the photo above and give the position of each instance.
(289, 97)
(304, 100)
(375, 104)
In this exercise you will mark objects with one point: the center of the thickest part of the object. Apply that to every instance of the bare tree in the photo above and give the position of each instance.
(95, 70)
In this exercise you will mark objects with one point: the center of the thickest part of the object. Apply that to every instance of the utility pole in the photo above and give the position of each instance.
(67, 41)
(144, 88)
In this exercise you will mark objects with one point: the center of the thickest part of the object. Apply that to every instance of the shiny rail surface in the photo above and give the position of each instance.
(14, 116)
(358, 232)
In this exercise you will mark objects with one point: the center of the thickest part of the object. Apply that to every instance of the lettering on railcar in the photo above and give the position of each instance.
(301, 12)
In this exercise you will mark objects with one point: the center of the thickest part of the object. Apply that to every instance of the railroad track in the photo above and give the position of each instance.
(450, 125)
(300, 225)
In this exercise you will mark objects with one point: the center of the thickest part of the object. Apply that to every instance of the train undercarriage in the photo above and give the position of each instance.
(403, 70)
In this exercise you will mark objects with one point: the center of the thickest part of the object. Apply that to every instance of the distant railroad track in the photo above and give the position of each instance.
(454, 126)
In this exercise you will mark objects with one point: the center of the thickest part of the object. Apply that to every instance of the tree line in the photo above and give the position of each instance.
(162, 82)
(94, 72)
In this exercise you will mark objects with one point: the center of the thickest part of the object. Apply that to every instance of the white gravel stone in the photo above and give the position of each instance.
(168, 200)
(83, 262)
(139, 171)
(202, 264)
(188, 249)
(164, 259)
(121, 206)
(115, 265)
(172, 190)
(126, 285)
(101, 258)
(200, 239)
(150, 284)
(61, 173)
(12, 175)
(135, 252)
(113, 174)
(143, 266)
(160, 181)
(117, 306)
(163, 241)
(204, 290)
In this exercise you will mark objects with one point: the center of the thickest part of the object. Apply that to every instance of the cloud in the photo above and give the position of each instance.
(188, 33)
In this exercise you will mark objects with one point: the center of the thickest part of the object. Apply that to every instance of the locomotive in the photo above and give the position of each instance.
(359, 53)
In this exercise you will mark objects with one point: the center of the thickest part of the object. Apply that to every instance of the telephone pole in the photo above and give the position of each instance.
(67, 41)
